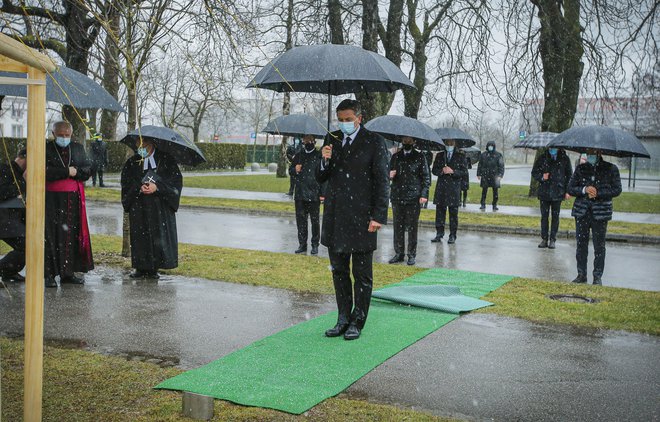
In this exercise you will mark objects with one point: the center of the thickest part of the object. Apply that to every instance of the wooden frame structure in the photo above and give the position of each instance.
(16, 57)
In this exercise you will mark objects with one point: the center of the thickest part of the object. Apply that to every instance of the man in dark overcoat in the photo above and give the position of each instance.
(451, 167)
(291, 152)
(12, 216)
(409, 190)
(553, 172)
(490, 171)
(99, 156)
(593, 185)
(355, 167)
(307, 194)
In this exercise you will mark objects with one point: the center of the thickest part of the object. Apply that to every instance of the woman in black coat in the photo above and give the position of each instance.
(553, 171)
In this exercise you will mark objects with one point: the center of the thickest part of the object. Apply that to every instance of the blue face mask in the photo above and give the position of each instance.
(450, 148)
(592, 159)
(142, 152)
(490, 149)
(553, 151)
(347, 127)
(62, 142)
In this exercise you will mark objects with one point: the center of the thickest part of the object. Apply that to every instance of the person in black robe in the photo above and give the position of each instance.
(150, 192)
(12, 217)
(68, 245)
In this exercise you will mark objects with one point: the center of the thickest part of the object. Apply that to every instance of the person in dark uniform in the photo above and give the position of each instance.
(150, 193)
(490, 171)
(553, 172)
(465, 183)
(355, 167)
(99, 153)
(428, 155)
(291, 152)
(593, 185)
(409, 190)
(307, 193)
(12, 216)
(450, 166)
(68, 244)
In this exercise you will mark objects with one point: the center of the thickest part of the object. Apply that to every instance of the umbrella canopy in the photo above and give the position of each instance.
(610, 141)
(68, 87)
(473, 153)
(536, 140)
(165, 139)
(296, 125)
(463, 140)
(330, 69)
(393, 127)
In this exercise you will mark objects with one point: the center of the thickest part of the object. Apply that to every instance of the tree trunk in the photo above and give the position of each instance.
(282, 164)
(413, 97)
(371, 106)
(111, 75)
(334, 22)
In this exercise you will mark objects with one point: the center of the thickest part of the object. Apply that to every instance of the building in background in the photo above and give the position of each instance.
(13, 117)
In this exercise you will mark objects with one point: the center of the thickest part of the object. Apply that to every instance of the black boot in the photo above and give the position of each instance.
(301, 249)
(543, 244)
(438, 238)
(580, 279)
(396, 258)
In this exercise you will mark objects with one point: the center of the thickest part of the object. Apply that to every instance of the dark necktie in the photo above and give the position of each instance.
(449, 156)
(347, 141)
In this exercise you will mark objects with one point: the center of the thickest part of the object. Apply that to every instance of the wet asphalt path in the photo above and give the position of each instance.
(632, 266)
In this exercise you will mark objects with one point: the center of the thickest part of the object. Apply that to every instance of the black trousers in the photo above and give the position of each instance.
(406, 219)
(97, 171)
(484, 192)
(441, 215)
(350, 309)
(598, 228)
(465, 192)
(546, 206)
(14, 261)
(305, 209)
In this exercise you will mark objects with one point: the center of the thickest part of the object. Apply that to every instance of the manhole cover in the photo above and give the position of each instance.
(573, 298)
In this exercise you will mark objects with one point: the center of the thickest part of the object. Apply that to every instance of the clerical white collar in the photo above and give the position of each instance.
(149, 161)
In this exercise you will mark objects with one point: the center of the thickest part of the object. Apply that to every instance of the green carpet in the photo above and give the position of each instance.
(299, 367)
(440, 298)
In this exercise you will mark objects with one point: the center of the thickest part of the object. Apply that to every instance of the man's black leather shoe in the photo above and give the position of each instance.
(153, 275)
(315, 250)
(50, 282)
(580, 279)
(411, 260)
(301, 249)
(14, 278)
(337, 330)
(598, 281)
(137, 274)
(495, 208)
(352, 333)
(452, 240)
(543, 244)
(395, 259)
(72, 280)
(437, 238)
(551, 244)
(482, 207)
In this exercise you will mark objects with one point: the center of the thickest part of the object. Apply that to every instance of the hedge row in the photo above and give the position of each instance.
(218, 156)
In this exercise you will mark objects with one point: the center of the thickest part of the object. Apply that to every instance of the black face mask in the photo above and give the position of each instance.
(407, 147)
(310, 147)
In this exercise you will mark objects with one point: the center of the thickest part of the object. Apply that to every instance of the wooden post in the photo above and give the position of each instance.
(34, 236)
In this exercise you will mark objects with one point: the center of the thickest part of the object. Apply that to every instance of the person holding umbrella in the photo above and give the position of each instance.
(307, 193)
(355, 166)
(553, 172)
(450, 166)
(151, 185)
(490, 171)
(409, 190)
(593, 185)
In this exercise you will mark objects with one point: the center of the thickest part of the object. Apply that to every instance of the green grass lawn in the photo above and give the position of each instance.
(477, 219)
(509, 194)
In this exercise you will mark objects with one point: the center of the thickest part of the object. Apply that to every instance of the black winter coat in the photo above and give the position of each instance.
(57, 168)
(490, 167)
(12, 218)
(357, 191)
(307, 189)
(604, 176)
(448, 186)
(556, 187)
(412, 180)
(99, 154)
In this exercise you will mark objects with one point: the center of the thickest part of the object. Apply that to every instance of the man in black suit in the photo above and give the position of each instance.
(451, 167)
(410, 189)
(355, 166)
(12, 216)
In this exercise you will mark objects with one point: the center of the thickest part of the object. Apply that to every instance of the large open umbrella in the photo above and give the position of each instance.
(536, 140)
(68, 87)
(331, 69)
(296, 125)
(463, 140)
(393, 127)
(178, 146)
(610, 141)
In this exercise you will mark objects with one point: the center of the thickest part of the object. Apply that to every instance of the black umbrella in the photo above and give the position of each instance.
(463, 140)
(296, 125)
(473, 153)
(393, 127)
(167, 140)
(610, 141)
(331, 69)
(536, 140)
(68, 87)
